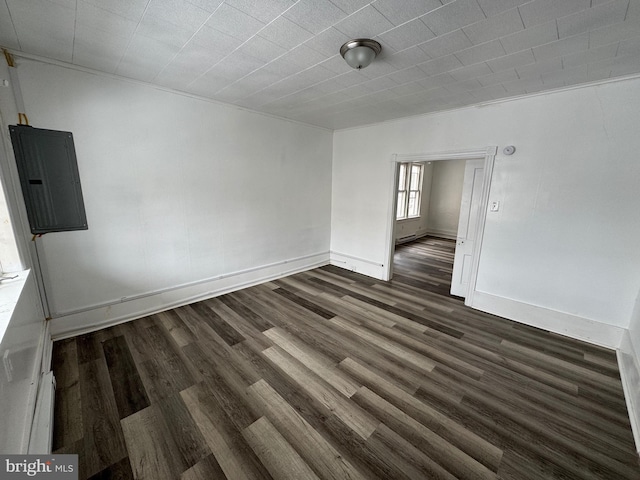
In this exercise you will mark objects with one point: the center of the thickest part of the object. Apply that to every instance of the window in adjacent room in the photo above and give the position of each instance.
(409, 190)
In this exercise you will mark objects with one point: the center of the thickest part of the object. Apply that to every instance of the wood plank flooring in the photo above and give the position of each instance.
(328, 374)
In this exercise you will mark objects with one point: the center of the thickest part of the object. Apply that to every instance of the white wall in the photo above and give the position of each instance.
(446, 196)
(177, 190)
(565, 238)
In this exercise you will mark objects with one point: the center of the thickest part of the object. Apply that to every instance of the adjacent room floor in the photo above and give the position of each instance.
(330, 374)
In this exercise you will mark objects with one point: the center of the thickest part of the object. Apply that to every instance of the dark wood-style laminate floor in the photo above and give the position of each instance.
(329, 374)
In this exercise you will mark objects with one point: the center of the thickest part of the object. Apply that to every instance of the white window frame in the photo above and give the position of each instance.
(403, 206)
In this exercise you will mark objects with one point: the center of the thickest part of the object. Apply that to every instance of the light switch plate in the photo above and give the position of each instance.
(495, 206)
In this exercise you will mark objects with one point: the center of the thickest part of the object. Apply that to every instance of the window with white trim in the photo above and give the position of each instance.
(409, 190)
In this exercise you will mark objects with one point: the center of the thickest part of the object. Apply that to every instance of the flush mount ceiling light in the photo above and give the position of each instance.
(360, 52)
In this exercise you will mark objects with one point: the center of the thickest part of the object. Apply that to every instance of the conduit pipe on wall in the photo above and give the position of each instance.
(15, 84)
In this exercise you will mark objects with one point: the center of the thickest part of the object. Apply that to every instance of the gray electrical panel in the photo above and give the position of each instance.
(48, 170)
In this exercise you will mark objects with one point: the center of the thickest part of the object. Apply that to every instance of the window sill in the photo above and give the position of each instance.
(10, 291)
(400, 220)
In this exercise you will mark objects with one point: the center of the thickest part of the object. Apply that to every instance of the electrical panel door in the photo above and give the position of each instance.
(49, 178)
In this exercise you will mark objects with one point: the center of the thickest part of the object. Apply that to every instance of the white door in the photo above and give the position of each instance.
(467, 225)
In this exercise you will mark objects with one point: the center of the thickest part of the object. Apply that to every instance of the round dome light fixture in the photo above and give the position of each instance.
(360, 52)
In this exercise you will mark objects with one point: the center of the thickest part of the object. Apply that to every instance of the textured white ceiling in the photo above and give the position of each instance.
(281, 56)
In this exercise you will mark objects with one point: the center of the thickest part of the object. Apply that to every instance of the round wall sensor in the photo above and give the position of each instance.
(509, 150)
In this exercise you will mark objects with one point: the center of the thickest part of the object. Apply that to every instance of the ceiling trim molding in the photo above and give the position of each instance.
(79, 68)
(499, 101)
(113, 76)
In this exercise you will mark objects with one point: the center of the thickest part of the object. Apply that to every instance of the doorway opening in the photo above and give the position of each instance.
(474, 199)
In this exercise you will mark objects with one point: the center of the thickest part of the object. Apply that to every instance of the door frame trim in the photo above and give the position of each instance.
(489, 155)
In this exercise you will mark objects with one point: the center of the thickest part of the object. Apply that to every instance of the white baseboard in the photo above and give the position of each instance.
(357, 264)
(41, 438)
(417, 236)
(629, 366)
(406, 238)
(572, 326)
(103, 316)
(442, 234)
(579, 328)
(41, 432)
